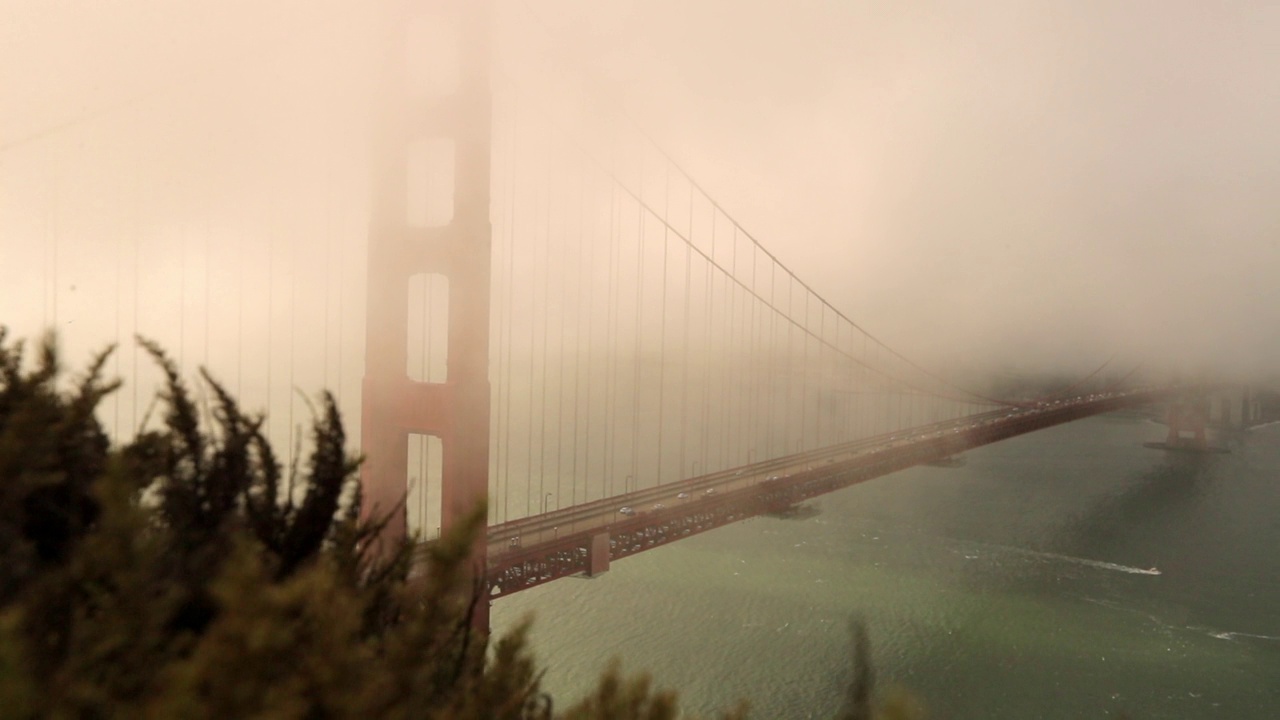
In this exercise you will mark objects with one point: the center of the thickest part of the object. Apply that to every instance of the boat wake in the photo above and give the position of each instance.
(1086, 562)
(1175, 627)
(1222, 635)
(1106, 565)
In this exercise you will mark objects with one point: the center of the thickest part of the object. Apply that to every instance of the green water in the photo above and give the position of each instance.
(1002, 589)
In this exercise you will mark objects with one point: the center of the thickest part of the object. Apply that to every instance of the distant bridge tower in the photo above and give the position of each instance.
(433, 130)
(1188, 418)
(1235, 407)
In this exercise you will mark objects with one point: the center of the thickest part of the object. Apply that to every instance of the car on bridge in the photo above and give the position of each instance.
(627, 510)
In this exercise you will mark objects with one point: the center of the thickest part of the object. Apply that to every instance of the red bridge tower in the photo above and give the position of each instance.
(433, 130)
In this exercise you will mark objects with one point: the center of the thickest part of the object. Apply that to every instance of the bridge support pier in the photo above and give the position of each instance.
(598, 555)
(1187, 418)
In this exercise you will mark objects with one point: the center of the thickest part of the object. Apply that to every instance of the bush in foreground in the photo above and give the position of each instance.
(188, 574)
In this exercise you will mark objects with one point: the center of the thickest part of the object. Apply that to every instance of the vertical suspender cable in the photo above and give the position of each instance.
(709, 355)
(582, 277)
(823, 387)
(725, 325)
(271, 300)
(817, 379)
(182, 302)
(539, 312)
(791, 365)
(639, 355)
(293, 323)
(510, 307)
(730, 395)
(835, 420)
(742, 362)
(612, 340)
(136, 225)
(804, 375)
(544, 276)
(684, 363)
(852, 373)
(747, 363)
(590, 354)
(341, 284)
(546, 329)
(590, 357)
(561, 360)
(756, 358)
(55, 244)
(533, 315)
(769, 413)
(662, 323)
(328, 271)
(239, 274)
(208, 246)
(115, 359)
(46, 265)
(498, 309)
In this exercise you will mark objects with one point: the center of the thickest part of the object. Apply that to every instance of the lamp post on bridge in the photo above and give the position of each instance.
(626, 484)
(545, 500)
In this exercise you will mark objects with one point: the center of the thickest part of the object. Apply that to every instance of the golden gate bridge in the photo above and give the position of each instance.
(529, 301)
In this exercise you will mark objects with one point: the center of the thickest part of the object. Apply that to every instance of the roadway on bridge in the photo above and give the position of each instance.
(599, 515)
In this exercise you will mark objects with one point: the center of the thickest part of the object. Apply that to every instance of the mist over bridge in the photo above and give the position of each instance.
(537, 306)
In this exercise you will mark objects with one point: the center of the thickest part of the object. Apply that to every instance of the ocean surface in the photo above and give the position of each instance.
(1016, 586)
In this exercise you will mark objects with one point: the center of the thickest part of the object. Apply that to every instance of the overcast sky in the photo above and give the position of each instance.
(1039, 180)
(1021, 183)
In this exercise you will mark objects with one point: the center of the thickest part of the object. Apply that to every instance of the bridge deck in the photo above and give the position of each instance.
(530, 551)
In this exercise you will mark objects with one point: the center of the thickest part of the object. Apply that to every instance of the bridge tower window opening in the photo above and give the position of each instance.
(423, 505)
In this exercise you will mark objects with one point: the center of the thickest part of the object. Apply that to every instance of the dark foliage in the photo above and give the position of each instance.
(52, 448)
(187, 574)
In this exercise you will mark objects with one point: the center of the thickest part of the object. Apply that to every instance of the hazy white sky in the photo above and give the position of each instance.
(1027, 182)
(1040, 180)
